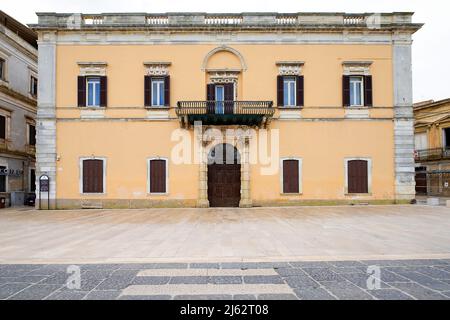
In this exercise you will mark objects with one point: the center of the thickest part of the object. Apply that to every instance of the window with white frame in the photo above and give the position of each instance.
(289, 85)
(157, 92)
(93, 91)
(356, 91)
(2, 69)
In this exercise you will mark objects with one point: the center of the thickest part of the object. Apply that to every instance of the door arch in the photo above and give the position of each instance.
(224, 176)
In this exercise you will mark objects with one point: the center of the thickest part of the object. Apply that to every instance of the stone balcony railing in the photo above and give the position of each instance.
(51, 20)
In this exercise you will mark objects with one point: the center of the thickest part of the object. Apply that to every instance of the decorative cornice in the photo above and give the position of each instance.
(16, 95)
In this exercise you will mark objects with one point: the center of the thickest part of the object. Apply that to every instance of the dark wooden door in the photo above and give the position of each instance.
(357, 176)
(421, 180)
(224, 185)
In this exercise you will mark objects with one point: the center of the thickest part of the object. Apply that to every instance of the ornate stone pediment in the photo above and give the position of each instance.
(357, 67)
(289, 68)
(223, 76)
(92, 68)
(157, 68)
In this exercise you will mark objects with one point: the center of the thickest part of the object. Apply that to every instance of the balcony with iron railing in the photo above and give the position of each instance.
(253, 113)
(434, 154)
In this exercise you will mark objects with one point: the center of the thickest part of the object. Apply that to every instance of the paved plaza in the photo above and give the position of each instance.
(343, 280)
(258, 253)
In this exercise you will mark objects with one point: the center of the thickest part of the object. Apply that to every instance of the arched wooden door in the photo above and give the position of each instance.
(224, 176)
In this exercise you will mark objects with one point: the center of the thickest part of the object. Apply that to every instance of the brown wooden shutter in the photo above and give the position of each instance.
(157, 176)
(357, 176)
(2, 127)
(147, 91)
(300, 91)
(229, 97)
(346, 91)
(210, 96)
(368, 91)
(290, 176)
(81, 91)
(93, 176)
(103, 91)
(280, 91)
(167, 91)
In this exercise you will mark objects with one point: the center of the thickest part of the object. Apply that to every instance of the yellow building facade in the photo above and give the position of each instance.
(135, 110)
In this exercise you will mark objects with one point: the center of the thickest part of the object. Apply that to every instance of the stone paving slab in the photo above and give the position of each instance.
(347, 233)
(325, 280)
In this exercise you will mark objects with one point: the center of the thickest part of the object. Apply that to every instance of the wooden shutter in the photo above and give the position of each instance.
(290, 176)
(81, 91)
(157, 176)
(300, 91)
(167, 91)
(2, 127)
(103, 91)
(280, 91)
(93, 176)
(210, 96)
(229, 97)
(147, 91)
(357, 176)
(346, 91)
(368, 91)
(32, 133)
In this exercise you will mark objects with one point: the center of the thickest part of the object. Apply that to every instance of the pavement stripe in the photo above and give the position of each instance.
(206, 289)
(205, 272)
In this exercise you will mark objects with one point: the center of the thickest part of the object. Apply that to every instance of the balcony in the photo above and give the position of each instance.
(251, 113)
(435, 154)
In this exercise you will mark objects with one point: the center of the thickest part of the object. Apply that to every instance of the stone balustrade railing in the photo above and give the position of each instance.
(74, 20)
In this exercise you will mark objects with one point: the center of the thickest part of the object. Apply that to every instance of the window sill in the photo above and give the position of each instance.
(92, 108)
(157, 193)
(291, 194)
(290, 107)
(157, 107)
(358, 194)
(93, 194)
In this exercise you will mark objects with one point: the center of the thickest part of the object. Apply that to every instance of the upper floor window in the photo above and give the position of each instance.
(2, 69)
(157, 92)
(31, 134)
(357, 91)
(290, 91)
(33, 86)
(2, 127)
(93, 92)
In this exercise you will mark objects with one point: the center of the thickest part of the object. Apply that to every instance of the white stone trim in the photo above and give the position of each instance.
(80, 168)
(357, 68)
(157, 68)
(369, 176)
(300, 175)
(148, 176)
(93, 68)
(224, 48)
(290, 68)
(223, 76)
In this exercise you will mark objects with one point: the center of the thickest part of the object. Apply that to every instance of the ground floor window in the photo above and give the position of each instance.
(93, 175)
(291, 175)
(157, 175)
(357, 176)
(3, 173)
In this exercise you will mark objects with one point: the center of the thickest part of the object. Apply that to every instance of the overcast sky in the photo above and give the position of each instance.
(431, 48)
